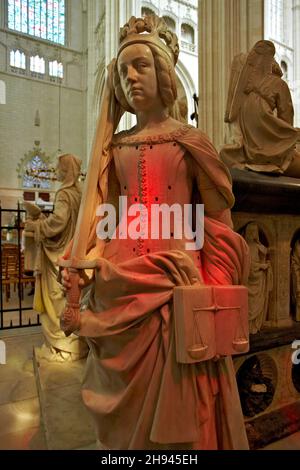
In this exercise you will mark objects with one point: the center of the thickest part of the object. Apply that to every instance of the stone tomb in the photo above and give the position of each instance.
(268, 380)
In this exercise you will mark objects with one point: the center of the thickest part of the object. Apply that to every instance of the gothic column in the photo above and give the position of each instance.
(118, 13)
(89, 10)
(226, 28)
(104, 20)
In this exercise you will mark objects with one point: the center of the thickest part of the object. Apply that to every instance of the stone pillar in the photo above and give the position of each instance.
(118, 13)
(226, 28)
(89, 9)
(104, 20)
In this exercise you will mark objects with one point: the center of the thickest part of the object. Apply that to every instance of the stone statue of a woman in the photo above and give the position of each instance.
(51, 236)
(139, 395)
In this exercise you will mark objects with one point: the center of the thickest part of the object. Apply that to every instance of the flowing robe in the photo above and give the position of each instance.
(52, 235)
(139, 396)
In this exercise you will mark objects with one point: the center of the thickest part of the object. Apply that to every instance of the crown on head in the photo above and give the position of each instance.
(150, 29)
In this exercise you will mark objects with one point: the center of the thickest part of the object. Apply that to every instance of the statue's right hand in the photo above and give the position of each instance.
(72, 281)
(66, 282)
(65, 279)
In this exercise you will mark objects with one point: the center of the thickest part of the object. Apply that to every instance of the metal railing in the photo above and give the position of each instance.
(13, 317)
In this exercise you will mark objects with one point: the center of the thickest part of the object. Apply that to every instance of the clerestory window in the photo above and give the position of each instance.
(42, 18)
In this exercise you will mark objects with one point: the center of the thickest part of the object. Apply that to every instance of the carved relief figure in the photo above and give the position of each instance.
(260, 281)
(295, 268)
(139, 395)
(51, 235)
(260, 111)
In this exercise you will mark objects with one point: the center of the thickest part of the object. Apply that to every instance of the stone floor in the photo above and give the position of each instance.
(19, 404)
(57, 420)
(66, 421)
(40, 407)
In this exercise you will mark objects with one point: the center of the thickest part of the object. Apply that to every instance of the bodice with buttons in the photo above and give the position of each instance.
(150, 172)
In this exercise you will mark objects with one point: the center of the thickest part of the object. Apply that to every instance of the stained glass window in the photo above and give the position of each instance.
(41, 18)
(37, 64)
(35, 172)
(56, 69)
(17, 59)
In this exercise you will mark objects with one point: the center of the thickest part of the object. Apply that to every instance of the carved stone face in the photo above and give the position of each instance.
(138, 79)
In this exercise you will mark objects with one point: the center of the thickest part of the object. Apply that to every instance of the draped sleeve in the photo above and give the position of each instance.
(285, 109)
(213, 177)
(225, 254)
(58, 220)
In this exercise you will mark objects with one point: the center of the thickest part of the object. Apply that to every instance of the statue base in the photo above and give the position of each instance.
(66, 422)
